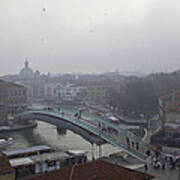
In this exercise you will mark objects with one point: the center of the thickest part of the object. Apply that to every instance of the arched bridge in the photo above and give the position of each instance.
(94, 129)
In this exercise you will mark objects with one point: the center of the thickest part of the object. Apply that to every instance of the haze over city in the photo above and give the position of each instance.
(89, 89)
(90, 36)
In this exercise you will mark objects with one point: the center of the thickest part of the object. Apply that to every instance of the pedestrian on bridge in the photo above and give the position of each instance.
(163, 165)
(132, 144)
(148, 152)
(76, 115)
(157, 153)
(99, 125)
(157, 164)
(137, 146)
(128, 142)
(145, 167)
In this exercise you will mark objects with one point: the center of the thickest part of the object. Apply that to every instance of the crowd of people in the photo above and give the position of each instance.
(153, 159)
(156, 162)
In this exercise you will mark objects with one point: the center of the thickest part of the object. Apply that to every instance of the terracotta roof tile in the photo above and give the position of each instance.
(96, 170)
(5, 166)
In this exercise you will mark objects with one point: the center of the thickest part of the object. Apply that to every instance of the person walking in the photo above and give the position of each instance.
(132, 144)
(148, 152)
(145, 167)
(128, 142)
(137, 146)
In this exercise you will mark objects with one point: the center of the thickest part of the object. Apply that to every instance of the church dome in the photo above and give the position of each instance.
(26, 72)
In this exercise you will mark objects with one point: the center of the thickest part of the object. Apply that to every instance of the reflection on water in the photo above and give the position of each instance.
(47, 134)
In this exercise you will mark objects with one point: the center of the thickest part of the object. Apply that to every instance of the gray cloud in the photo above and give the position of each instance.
(90, 36)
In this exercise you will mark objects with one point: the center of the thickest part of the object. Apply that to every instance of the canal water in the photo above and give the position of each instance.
(47, 134)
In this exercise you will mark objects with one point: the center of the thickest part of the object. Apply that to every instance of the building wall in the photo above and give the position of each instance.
(29, 86)
(173, 117)
(3, 115)
(69, 92)
(38, 90)
(13, 99)
(3, 97)
(49, 90)
(16, 99)
(63, 92)
(96, 93)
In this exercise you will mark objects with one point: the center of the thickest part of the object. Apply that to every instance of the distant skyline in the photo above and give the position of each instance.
(90, 36)
(126, 73)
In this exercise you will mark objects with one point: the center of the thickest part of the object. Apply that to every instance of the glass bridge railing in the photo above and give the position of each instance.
(95, 120)
(95, 130)
(91, 117)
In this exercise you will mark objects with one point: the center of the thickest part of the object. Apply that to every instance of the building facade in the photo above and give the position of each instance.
(13, 99)
(63, 93)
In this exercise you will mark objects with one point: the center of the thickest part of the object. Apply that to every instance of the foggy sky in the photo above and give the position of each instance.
(90, 36)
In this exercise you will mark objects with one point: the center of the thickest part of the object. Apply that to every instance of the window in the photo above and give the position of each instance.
(24, 92)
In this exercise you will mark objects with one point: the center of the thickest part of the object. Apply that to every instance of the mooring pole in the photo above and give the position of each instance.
(100, 151)
(92, 151)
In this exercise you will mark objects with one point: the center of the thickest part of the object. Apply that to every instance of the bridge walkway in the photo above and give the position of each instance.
(101, 128)
(118, 135)
(122, 133)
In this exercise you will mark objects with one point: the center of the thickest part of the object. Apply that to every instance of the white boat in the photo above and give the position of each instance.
(111, 117)
(5, 142)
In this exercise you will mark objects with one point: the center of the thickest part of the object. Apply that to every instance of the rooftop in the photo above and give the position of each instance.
(27, 150)
(21, 162)
(51, 156)
(10, 84)
(96, 170)
(58, 155)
